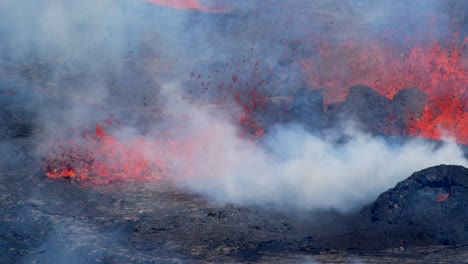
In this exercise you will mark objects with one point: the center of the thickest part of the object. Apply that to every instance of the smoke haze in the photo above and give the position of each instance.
(134, 60)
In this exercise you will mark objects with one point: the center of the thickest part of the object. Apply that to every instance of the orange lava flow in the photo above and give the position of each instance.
(190, 5)
(436, 68)
(101, 158)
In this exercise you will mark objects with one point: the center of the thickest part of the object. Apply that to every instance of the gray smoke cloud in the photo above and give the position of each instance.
(134, 60)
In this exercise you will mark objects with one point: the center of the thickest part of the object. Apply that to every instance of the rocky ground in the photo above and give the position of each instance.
(45, 220)
(60, 221)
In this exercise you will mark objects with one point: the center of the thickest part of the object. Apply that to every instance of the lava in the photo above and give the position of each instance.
(436, 68)
(100, 158)
(196, 5)
(441, 198)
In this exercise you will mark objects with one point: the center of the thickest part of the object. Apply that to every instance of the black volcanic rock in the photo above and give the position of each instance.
(364, 105)
(409, 101)
(372, 112)
(407, 105)
(307, 108)
(430, 207)
(376, 113)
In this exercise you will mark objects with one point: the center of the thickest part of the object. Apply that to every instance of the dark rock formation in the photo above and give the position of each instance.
(365, 106)
(375, 113)
(407, 105)
(430, 207)
(307, 108)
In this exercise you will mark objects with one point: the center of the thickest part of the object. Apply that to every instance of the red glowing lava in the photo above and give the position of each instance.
(197, 5)
(442, 198)
(101, 158)
(436, 68)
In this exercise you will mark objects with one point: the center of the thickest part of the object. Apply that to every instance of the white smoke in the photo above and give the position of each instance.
(292, 168)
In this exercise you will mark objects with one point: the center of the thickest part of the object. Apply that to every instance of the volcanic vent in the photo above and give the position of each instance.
(232, 131)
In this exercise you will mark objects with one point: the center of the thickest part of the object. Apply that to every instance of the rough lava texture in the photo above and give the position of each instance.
(376, 113)
(427, 208)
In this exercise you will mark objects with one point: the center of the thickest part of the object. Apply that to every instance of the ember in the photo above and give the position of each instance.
(443, 197)
(248, 93)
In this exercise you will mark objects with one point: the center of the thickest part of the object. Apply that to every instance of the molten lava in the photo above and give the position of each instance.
(197, 5)
(441, 198)
(101, 158)
(436, 68)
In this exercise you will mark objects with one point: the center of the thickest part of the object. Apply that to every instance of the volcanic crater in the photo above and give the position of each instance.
(68, 220)
(118, 175)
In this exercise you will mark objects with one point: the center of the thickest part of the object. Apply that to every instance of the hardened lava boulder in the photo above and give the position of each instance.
(430, 207)
(378, 114)
(364, 106)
